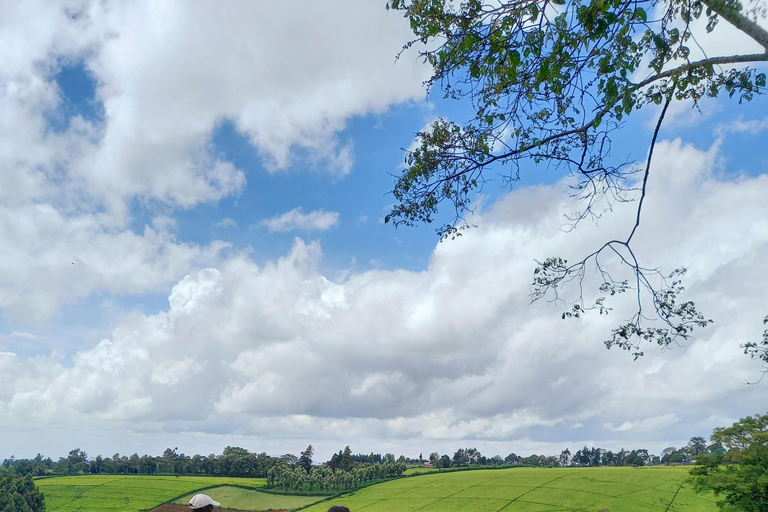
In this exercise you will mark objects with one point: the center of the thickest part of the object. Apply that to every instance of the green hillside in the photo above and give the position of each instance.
(249, 499)
(122, 493)
(519, 489)
(533, 490)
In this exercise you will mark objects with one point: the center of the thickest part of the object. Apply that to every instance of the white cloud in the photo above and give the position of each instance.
(22, 334)
(449, 355)
(50, 259)
(739, 125)
(166, 89)
(225, 223)
(655, 423)
(297, 220)
(167, 75)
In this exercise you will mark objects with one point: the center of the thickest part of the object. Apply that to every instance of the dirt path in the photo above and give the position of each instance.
(172, 507)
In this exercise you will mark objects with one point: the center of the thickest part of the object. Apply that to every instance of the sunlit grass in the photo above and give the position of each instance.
(247, 499)
(124, 493)
(533, 490)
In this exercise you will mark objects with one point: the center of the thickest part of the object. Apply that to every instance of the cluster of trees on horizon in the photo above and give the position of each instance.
(688, 454)
(233, 461)
(239, 462)
(343, 472)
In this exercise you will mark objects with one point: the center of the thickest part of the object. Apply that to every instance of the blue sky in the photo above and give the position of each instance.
(192, 208)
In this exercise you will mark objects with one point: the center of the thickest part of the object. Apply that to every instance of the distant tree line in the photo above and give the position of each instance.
(600, 457)
(469, 457)
(688, 454)
(38, 466)
(239, 462)
(234, 461)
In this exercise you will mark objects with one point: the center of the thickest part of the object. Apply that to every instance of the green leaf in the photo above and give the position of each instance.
(534, 11)
(628, 102)
(641, 15)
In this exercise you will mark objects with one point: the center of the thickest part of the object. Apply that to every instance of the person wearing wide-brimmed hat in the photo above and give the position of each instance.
(202, 503)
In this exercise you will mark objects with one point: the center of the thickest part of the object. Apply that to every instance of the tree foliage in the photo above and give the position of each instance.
(305, 458)
(326, 479)
(759, 349)
(740, 475)
(549, 82)
(234, 461)
(19, 494)
(601, 457)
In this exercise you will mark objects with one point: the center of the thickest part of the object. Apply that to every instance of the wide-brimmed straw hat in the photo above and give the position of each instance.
(202, 500)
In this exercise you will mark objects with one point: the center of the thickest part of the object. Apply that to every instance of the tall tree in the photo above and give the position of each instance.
(305, 458)
(289, 459)
(346, 459)
(77, 456)
(550, 81)
(697, 445)
(740, 476)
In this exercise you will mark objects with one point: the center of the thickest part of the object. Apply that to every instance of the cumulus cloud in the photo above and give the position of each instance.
(167, 75)
(50, 259)
(165, 90)
(448, 355)
(296, 219)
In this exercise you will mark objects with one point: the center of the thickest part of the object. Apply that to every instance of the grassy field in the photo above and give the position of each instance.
(246, 499)
(533, 490)
(121, 493)
(508, 490)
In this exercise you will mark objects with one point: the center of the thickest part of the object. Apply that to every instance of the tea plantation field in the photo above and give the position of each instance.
(238, 498)
(533, 490)
(121, 493)
(507, 490)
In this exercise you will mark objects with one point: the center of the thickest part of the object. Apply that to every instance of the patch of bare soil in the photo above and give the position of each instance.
(174, 507)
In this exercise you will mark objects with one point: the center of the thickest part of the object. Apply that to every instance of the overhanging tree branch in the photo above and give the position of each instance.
(550, 80)
(730, 12)
(713, 61)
